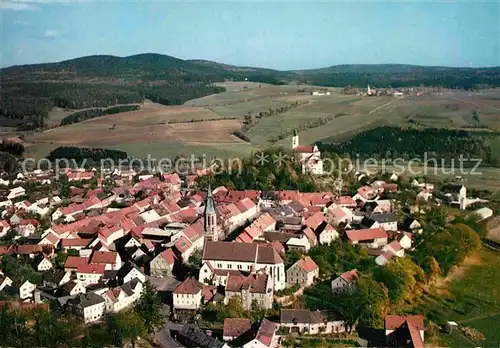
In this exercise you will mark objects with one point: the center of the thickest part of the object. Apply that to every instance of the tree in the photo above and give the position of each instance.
(149, 309)
(50, 331)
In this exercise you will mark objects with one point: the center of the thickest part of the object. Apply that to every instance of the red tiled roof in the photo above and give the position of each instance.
(415, 336)
(350, 276)
(304, 149)
(250, 252)
(395, 245)
(168, 256)
(309, 233)
(90, 269)
(235, 327)
(346, 200)
(195, 231)
(266, 332)
(182, 244)
(4, 250)
(189, 286)
(315, 220)
(107, 257)
(392, 322)
(26, 249)
(245, 204)
(75, 262)
(366, 234)
(75, 242)
(307, 264)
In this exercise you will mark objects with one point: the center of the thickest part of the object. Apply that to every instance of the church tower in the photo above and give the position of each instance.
(295, 140)
(211, 230)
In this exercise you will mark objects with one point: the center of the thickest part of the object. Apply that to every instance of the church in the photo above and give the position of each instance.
(308, 156)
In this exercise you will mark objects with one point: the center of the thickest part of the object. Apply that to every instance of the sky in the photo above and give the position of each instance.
(279, 35)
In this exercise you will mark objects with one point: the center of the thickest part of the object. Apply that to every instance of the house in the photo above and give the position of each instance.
(26, 290)
(42, 263)
(90, 273)
(55, 278)
(346, 202)
(308, 156)
(235, 327)
(128, 272)
(16, 192)
(345, 281)
(326, 233)
(370, 237)
(388, 221)
(87, 307)
(123, 296)
(412, 225)
(302, 272)
(395, 248)
(192, 336)
(110, 259)
(73, 287)
(405, 239)
(163, 264)
(227, 256)
(188, 295)
(309, 322)
(254, 288)
(266, 336)
(404, 331)
(384, 258)
(5, 281)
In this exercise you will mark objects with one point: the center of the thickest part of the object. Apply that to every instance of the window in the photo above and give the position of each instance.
(239, 266)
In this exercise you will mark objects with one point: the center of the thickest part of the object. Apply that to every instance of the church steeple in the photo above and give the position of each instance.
(210, 217)
(295, 140)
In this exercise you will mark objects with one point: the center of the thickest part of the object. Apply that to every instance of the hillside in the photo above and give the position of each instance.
(29, 92)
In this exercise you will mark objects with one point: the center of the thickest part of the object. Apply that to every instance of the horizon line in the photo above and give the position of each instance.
(254, 67)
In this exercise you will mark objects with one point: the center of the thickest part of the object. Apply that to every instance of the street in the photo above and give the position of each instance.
(165, 338)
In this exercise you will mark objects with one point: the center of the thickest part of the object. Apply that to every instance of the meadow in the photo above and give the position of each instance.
(471, 297)
(157, 128)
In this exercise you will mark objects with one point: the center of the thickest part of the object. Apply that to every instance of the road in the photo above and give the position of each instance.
(165, 338)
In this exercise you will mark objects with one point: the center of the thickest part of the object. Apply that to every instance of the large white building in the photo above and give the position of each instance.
(225, 257)
(308, 156)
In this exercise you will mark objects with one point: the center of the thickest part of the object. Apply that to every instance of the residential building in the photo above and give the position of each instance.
(412, 225)
(235, 327)
(370, 237)
(87, 307)
(266, 336)
(256, 287)
(310, 322)
(163, 264)
(303, 272)
(188, 295)
(55, 278)
(345, 281)
(123, 296)
(404, 331)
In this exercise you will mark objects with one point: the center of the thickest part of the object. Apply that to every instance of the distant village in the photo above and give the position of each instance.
(118, 230)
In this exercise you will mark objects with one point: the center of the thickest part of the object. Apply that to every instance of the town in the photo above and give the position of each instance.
(232, 268)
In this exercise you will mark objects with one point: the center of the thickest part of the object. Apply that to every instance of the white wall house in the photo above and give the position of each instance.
(188, 295)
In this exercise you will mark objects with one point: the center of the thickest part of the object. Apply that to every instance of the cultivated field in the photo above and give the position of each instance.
(151, 128)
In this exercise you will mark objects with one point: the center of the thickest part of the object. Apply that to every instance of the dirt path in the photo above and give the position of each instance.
(478, 317)
(458, 272)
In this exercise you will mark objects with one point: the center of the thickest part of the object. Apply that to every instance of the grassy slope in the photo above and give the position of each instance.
(472, 299)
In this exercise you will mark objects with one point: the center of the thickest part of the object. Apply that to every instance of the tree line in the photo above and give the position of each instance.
(264, 174)
(438, 143)
(80, 116)
(82, 153)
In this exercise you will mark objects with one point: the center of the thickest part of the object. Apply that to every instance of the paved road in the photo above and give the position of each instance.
(165, 338)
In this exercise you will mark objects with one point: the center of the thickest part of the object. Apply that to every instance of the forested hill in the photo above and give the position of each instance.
(28, 92)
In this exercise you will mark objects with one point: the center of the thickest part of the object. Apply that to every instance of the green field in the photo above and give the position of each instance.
(472, 298)
(137, 130)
